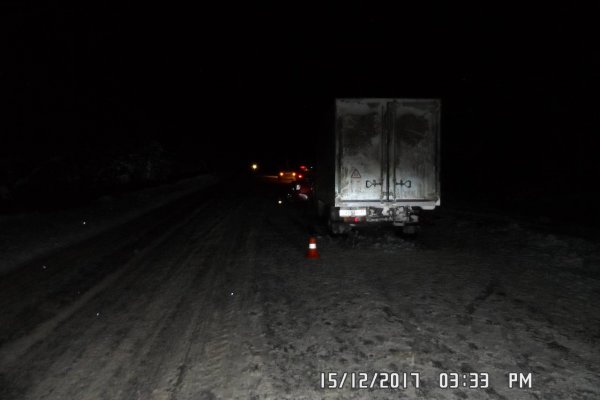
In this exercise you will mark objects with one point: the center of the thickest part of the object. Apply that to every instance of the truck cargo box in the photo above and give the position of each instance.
(386, 160)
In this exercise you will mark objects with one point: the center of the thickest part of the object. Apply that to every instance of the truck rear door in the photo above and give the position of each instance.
(414, 160)
(361, 173)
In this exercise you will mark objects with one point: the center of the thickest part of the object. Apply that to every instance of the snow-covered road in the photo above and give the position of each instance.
(211, 297)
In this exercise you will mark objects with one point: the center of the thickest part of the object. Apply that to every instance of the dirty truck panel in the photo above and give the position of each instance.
(386, 162)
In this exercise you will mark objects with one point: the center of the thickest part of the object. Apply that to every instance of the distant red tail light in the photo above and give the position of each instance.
(299, 175)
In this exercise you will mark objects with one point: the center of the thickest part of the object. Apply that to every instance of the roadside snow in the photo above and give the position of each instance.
(471, 295)
(27, 236)
(223, 304)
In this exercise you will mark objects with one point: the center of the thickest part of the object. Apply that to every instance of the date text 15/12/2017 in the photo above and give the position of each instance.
(369, 380)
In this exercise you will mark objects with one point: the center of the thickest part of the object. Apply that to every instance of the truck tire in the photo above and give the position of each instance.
(337, 228)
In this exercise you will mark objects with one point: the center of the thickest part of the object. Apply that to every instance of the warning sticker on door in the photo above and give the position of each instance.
(355, 174)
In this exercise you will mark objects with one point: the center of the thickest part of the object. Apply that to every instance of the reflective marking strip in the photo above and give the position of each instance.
(312, 245)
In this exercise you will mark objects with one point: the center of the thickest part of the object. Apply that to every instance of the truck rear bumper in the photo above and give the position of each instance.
(398, 216)
(342, 227)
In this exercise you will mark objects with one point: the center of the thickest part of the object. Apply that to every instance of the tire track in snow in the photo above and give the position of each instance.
(225, 364)
(89, 336)
(72, 271)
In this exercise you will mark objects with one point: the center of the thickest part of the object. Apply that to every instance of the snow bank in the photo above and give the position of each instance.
(24, 237)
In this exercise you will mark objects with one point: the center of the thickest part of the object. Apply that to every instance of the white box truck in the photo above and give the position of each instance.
(383, 164)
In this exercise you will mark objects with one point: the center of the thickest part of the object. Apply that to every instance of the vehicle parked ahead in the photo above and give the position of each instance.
(287, 176)
(300, 190)
(381, 164)
(293, 174)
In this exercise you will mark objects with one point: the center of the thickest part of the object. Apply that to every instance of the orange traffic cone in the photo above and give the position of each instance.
(312, 248)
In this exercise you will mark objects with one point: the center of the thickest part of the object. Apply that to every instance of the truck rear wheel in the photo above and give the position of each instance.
(338, 228)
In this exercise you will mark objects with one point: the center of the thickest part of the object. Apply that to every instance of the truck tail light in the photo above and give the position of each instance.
(354, 220)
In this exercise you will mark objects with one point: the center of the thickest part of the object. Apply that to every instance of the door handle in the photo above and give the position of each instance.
(406, 183)
(369, 184)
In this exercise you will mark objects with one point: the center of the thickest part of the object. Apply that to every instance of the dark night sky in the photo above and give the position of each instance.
(519, 86)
